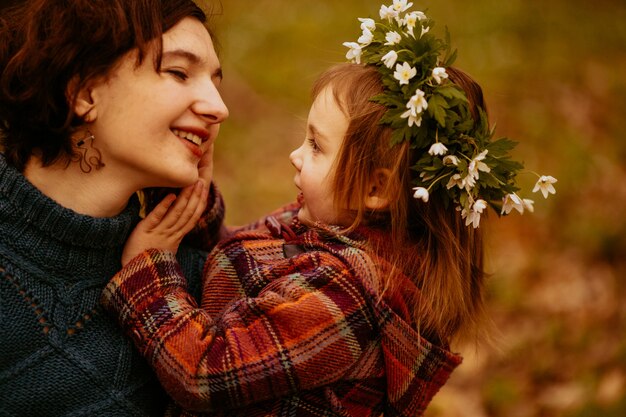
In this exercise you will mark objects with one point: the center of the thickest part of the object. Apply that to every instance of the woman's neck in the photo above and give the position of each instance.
(98, 193)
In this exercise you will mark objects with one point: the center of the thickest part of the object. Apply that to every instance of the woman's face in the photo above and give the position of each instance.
(152, 128)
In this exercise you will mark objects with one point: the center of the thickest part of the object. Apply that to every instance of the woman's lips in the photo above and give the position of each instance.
(191, 140)
(189, 135)
(195, 149)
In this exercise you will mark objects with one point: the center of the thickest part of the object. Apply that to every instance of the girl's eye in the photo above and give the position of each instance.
(313, 144)
(177, 74)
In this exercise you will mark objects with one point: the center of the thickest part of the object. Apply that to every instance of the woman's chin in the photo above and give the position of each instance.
(177, 181)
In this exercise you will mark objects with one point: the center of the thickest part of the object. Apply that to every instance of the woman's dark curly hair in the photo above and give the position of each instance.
(47, 44)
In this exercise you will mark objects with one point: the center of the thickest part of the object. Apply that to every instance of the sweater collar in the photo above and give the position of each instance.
(39, 230)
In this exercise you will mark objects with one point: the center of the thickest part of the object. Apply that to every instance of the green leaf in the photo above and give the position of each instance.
(486, 178)
(452, 91)
(501, 147)
(449, 60)
(437, 106)
(397, 137)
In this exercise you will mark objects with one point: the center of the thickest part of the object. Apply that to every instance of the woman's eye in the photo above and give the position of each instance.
(178, 74)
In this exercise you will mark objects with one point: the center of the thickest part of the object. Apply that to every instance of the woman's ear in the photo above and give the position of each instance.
(377, 198)
(84, 105)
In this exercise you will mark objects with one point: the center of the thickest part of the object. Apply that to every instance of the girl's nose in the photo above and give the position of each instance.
(295, 158)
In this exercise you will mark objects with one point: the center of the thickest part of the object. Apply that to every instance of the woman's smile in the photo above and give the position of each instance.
(178, 103)
(192, 140)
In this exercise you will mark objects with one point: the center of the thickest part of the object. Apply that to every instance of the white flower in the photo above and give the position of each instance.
(472, 217)
(481, 155)
(450, 160)
(426, 176)
(476, 165)
(404, 73)
(414, 119)
(457, 181)
(424, 31)
(528, 204)
(354, 53)
(367, 23)
(479, 205)
(387, 12)
(389, 59)
(439, 74)
(512, 201)
(421, 193)
(410, 20)
(417, 103)
(401, 5)
(366, 38)
(420, 15)
(470, 181)
(392, 38)
(544, 183)
(438, 148)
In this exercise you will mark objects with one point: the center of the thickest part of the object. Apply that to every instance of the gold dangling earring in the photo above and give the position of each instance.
(85, 146)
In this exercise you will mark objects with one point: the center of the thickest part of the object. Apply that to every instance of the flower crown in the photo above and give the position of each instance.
(460, 160)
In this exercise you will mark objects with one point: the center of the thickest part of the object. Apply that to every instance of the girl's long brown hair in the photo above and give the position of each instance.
(428, 242)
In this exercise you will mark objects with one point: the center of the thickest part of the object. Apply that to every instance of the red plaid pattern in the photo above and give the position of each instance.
(278, 336)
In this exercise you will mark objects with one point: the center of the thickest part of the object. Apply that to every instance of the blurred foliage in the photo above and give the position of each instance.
(552, 72)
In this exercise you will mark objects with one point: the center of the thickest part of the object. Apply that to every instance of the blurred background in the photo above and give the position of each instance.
(553, 75)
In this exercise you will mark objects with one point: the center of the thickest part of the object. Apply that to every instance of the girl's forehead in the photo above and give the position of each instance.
(327, 117)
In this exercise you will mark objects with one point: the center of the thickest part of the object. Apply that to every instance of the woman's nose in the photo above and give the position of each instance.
(210, 105)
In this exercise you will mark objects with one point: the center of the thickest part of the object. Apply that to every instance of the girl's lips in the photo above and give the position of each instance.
(300, 198)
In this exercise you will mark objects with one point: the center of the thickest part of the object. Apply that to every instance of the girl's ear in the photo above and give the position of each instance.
(377, 198)
(84, 104)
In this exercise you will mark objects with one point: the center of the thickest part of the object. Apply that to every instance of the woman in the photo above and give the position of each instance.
(98, 99)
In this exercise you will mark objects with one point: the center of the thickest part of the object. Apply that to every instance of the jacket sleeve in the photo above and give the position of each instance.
(303, 330)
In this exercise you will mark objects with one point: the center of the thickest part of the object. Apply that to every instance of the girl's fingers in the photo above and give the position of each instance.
(177, 215)
(199, 209)
(171, 220)
(205, 167)
(204, 199)
(158, 213)
(186, 215)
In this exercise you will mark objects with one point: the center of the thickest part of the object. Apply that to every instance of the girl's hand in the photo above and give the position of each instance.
(166, 225)
(205, 167)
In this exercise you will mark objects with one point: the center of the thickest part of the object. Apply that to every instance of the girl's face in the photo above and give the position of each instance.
(153, 127)
(314, 160)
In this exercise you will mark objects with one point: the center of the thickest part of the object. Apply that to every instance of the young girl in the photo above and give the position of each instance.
(344, 303)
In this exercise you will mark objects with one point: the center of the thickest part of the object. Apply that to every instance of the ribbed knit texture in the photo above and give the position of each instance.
(60, 355)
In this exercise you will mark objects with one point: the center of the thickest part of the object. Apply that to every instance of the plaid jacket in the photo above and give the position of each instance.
(289, 325)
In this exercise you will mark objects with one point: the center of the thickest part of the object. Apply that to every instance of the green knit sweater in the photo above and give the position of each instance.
(60, 355)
